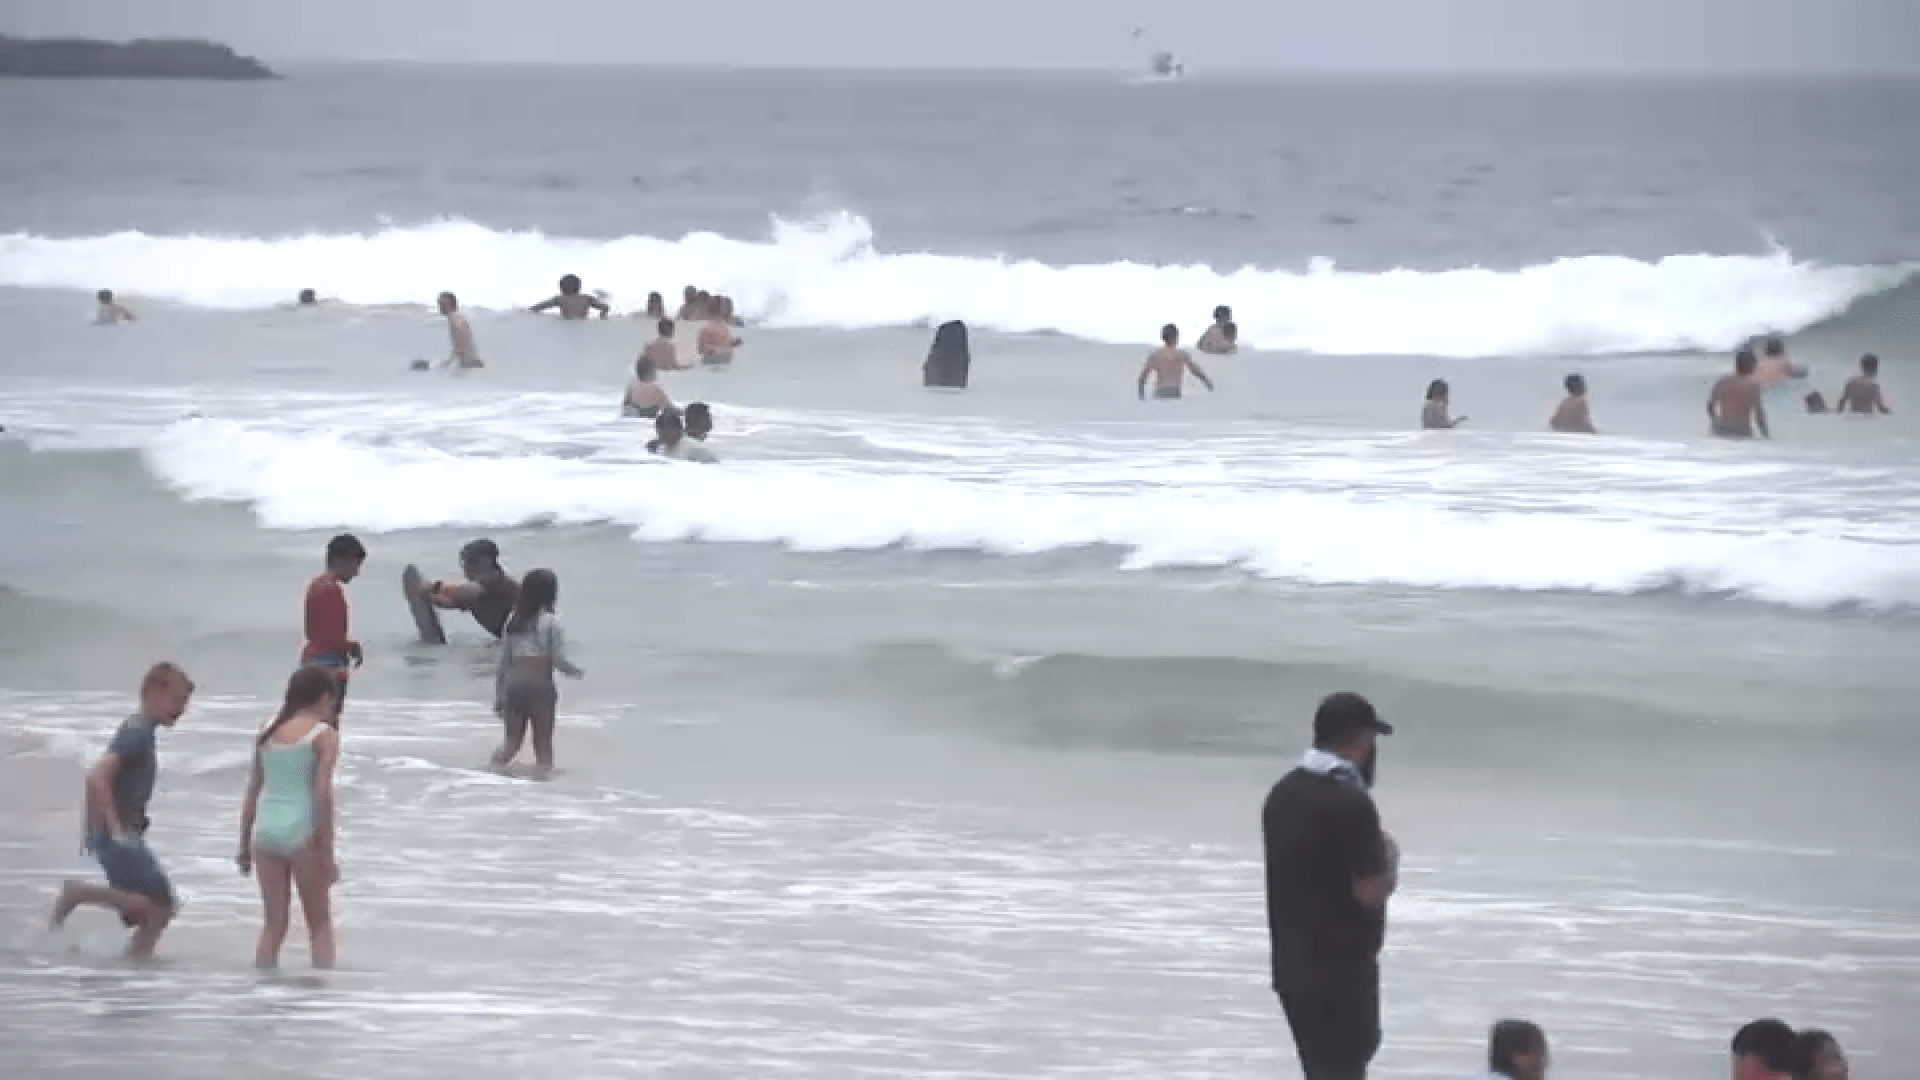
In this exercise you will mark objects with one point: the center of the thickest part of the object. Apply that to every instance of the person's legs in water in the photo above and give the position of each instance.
(313, 876)
(543, 722)
(273, 870)
(513, 718)
(137, 889)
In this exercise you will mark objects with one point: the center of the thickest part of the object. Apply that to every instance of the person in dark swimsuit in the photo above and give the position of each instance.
(489, 592)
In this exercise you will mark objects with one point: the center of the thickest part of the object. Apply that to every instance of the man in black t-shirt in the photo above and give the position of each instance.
(1330, 869)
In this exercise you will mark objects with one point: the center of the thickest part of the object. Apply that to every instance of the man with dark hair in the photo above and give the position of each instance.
(1516, 1050)
(119, 786)
(488, 594)
(1862, 394)
(328, 643)
(1330, 870)
(1763, 1050)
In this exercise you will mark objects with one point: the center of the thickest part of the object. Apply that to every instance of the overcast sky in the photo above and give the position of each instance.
(1220, 35)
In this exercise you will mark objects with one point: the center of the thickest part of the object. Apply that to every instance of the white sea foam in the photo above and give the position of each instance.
(1319, 509)
(830, 273)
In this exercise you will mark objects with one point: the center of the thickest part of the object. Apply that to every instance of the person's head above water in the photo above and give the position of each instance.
(1816, 401)
(1437, 390)
(664, 327)
(1517, 1049)
(656, 304)
(479, 558)
(1170, 334)
(1744, 362)
(1869, 365)
(699, 420)
(1774, 347)
(105, 296)
(669, 427)
(449, 303)
(308, 298)
(1222, 313)
(569, 285)
(1576, 384)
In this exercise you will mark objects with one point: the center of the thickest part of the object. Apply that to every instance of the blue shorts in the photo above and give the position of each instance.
(131, 868)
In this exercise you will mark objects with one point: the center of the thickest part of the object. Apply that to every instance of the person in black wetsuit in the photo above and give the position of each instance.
(489, 592)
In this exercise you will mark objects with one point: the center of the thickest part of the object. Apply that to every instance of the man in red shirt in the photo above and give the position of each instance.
(327, 643)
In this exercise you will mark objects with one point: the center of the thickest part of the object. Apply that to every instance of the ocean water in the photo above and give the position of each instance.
(925, 736)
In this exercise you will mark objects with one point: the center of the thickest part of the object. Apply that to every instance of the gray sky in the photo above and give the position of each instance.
(1242, 35)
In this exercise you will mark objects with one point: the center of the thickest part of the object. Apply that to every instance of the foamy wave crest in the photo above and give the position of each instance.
(829, 273)
(1314, 534)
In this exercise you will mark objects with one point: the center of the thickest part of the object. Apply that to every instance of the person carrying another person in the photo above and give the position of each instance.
(1862, 393)
(670, 440)
(488, 594)
(1734, 408)
(1223, 337)
(286, 818)
(571, 302)
(1168, 366)
(118, 789)
(328, 643)
(531, 650)
(1574, 416)
(645, 397)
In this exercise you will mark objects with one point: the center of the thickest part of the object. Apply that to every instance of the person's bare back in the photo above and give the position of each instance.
(1862, 395)
(661, 351)
(1168, 366)
(717, 340)
(1574, 417)
(1734, 408)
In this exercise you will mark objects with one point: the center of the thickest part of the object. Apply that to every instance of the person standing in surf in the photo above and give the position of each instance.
(532, 648)
(1436, 414)
(1330, 869)
(645, 397)
(489, 592)
(329, 645)
(463, 354)
(1734, 408)
(1223, 337)
(286, 819)
(1862, 392)
(572, 304)
(111, 311)
(119, 787)
(1575, 415)
(661, 352)
(1168, 366)
(717, 339)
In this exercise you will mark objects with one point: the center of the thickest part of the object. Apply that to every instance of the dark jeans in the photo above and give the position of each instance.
(1336, 1024)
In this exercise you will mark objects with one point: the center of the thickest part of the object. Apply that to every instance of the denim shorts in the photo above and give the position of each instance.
(131, 868)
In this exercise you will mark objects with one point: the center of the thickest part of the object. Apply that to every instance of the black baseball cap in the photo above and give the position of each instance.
(1344, 713)
(480, 549)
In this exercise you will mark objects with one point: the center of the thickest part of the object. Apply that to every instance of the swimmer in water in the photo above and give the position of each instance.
(463, 355)
(690, 309)
(111, 311)
(645, 399)
(1223, 337)
(1734, 409)
(1168, 365)
(661, 352)
(1816, 402)
(1435, 415)
(717, 339)
(1774, 365)
(671, 440)
(1862, 393)
(699, 421)
(656, 307)
(572, 304)
(489, 592)
(1574, 416)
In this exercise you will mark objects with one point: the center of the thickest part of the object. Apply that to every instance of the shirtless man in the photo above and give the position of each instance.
(1774, 365)
(1862, 392)
(1734, 409)
(661, 351)
(717, 339)
(1222, 338)
(464, 354)
(571, 302)
(690, 307)
(1168, 365)
(644, 397)
(1574, 416)
(111, 310)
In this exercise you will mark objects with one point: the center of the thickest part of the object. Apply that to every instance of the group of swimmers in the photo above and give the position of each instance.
(287, 818)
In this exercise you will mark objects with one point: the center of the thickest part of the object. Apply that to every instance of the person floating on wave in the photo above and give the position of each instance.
(119, 786)
(691, 309)
(656, 307)
(286, 818)
(717, 339)
(645, 398)
(1774, 364)
(1168, 366)
(1734, 409)
(464, 355)
(661, 352)
(328, 644)
(572, 304)
(1862, 393)
(111, 311)
(1437, 414)
(1574, 416)
(670, 440)
(532, 648)
(1223, 337)
(488, 594)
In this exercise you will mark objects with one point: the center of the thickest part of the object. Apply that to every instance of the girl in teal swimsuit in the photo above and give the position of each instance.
(286, 826)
